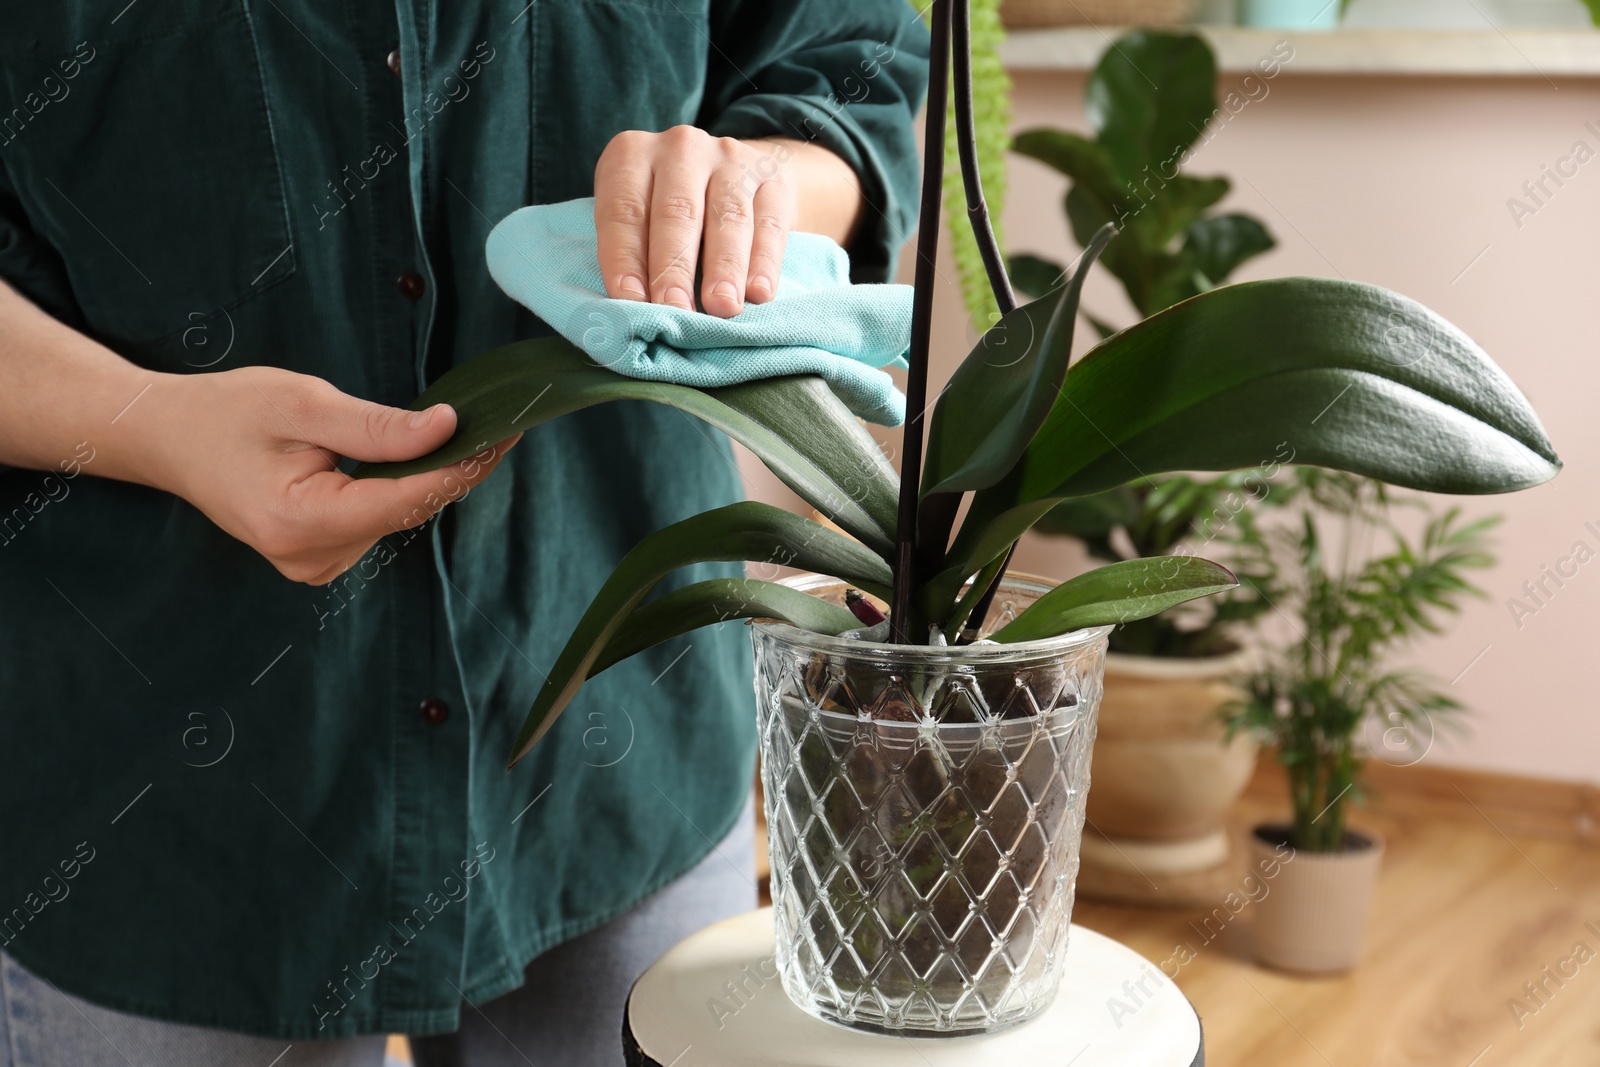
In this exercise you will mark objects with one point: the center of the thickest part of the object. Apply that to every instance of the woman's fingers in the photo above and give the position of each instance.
(728, 233)
(677, 211)
(363, 430)
(350, 515)
(622, 213)
(669, 203)
(366, 509)
(772, 209)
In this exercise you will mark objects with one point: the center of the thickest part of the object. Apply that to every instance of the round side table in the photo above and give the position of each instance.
(714, 1000)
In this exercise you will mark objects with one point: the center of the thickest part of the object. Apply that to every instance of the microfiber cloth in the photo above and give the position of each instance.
(817, 323)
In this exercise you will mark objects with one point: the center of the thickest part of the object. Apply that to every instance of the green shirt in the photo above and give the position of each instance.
(235, 801)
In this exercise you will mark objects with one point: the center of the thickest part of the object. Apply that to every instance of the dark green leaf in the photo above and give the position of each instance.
(797, 427)
(1345, 375)
(745, 531)
(1091, 519)
(719, 600)
(1150, 97)
(1116, 593)
(1001, 393)
(1164, 208)
(1216, 246)
(1082, 160)
(1033, 276)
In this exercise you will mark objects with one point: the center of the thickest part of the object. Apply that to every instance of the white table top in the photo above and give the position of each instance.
(1114, 1009)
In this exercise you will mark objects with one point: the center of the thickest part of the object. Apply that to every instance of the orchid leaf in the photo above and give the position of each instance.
(748, 531)
(1117, 593)
(1344, 375)
(795, 425)
(1000, 395)
(719, 600)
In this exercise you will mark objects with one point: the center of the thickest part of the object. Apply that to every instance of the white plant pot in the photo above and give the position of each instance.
(1314, 919)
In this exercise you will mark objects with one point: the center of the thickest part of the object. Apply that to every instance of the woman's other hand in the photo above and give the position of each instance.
(667, 203)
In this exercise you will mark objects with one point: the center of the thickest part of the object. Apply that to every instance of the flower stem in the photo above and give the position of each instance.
(905, 569)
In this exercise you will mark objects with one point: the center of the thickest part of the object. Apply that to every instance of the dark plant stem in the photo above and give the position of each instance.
(980, 610)
(900, 623)
(994, 263)
(938, 512)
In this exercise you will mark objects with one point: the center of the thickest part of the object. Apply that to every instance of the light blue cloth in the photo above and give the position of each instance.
(818, 323)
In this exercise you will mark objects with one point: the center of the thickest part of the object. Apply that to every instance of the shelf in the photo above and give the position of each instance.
(1448, 53)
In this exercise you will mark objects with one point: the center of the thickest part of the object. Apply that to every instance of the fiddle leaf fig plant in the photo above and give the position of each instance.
(1151, 96)
(1357, 378)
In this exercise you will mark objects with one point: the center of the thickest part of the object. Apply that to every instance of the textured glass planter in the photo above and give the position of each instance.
(924, 809)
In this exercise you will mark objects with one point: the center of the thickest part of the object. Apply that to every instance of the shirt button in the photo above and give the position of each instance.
(410, 285)
(434, 711)
(394, 61)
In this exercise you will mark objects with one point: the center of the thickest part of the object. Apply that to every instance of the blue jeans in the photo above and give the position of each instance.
(568, 1014)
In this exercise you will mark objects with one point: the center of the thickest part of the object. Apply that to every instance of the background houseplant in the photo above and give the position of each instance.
(1150, 98)
(1020, 432)
(1165, 774)
(1359, 588)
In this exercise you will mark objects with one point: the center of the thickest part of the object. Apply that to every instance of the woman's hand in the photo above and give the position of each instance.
(255, 449)
(667, 202)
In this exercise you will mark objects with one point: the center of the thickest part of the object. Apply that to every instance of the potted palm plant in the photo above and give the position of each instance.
(1165, 775)
(925, 791)
(1315, 697)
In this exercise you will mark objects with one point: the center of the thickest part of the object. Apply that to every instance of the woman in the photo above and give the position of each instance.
(255, 714)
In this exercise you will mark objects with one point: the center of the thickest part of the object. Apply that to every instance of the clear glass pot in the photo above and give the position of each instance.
(924, 808)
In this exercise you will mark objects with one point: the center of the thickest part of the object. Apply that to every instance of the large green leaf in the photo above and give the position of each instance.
(719, 600)
(1000, 395)
(799, 429)
(745, 531)
(1347, 375)
(1116, 593)
(1150, 97)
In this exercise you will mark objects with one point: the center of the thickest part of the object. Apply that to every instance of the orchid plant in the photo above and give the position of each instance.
(1353, 376)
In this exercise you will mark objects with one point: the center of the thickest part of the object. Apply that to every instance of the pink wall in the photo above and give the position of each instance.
(1403, 182)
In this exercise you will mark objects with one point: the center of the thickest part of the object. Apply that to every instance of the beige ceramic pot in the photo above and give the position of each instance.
(1164, 778)
(1314, 917)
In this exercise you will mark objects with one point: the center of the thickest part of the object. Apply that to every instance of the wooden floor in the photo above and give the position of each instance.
(1474, 902)
(1465, 915)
